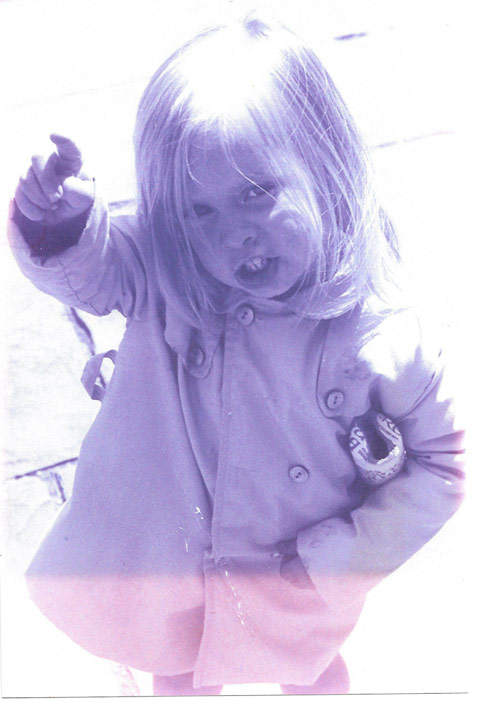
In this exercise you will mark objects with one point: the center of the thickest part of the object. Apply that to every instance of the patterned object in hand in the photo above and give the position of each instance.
(376, 446)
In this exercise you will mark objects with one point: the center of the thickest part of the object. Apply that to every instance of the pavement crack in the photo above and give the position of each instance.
(56, 490)
(414, 138)
(35, 472)
(353, 35)
(82, 330)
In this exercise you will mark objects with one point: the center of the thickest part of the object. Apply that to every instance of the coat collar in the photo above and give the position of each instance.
(196, 347)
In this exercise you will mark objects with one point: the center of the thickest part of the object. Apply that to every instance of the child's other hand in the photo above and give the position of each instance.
(291, 568)
(55, 190)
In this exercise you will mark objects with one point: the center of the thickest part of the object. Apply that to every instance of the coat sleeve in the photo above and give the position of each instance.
(100, 271)
(346, 556)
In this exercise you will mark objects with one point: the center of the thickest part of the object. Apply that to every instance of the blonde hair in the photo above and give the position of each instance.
(257, 82)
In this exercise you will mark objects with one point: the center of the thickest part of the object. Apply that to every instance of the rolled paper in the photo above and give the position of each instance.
(376, 446)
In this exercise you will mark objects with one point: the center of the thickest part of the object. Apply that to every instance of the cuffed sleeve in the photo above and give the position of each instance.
(45, 241)
(98, 269)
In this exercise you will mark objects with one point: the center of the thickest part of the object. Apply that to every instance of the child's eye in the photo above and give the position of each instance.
(201, 210)
(259, 191)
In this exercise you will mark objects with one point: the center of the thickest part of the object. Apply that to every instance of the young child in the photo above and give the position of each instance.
(278, 434)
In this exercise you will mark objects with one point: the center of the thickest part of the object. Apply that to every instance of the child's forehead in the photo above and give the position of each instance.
(209, 159)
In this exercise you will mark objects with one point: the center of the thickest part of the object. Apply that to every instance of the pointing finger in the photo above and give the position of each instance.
(70, 157)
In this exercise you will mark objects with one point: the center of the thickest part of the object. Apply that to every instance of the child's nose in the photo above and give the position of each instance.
(234, 234)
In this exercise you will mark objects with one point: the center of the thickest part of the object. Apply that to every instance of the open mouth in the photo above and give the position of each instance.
(257, 271)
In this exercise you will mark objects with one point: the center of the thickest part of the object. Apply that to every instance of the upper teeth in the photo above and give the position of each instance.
(255, 264)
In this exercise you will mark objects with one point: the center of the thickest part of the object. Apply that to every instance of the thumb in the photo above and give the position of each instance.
(78, 193)
(69, 161)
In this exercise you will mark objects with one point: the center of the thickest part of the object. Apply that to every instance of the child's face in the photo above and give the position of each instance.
(252, 236)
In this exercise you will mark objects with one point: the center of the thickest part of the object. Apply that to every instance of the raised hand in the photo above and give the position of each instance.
(55, 190)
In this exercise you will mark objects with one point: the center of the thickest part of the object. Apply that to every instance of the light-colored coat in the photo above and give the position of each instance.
(209, 449)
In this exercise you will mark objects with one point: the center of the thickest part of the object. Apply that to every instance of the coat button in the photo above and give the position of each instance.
(245, 315)
(196, 356)
(298, 473)
(333, 399)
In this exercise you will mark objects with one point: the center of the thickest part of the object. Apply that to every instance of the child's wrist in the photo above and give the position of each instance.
(46, 240)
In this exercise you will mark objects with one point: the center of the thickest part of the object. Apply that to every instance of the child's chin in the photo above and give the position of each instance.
(271, 291)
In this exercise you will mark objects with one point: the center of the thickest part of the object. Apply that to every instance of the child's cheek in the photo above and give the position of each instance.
(292, 228)
(287, 220)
